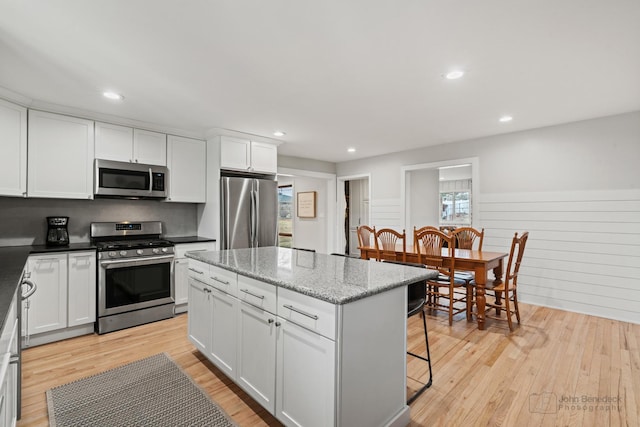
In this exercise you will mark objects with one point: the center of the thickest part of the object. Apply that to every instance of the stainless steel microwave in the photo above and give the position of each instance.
(132, 180)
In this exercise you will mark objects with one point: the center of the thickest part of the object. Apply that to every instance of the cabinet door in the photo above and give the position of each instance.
(224, 332)
(235, 153)
(264, 157)
(48, 305)
(305, 377)
(149, 147)
(187, 163)
(181, 280)
(114, 142)
(60, 156)
(82, 288)
(13, 149)
(257, 354)
(199, 320)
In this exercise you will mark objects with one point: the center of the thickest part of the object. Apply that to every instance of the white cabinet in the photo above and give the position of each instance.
(46, 309)
(304, 358)
(13, 149)
(180, 270)
(60, 156)
(65, 297)
(81, 288)
(246, 155)
(187, 163)
(212, 317)
(125, 144)
(8, 368)
(257, 354)
(286, 362)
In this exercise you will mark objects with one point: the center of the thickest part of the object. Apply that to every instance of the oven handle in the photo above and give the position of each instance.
(135, 261)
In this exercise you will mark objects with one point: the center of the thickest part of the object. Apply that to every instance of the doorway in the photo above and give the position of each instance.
(354, 208)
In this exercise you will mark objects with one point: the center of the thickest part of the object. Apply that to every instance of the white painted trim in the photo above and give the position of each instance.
(475, 182)
(339, 241)
(331, 198)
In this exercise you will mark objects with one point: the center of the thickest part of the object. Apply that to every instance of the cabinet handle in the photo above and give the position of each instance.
(246, 291)
(196, 271)
(14, 359)
(297, 310)
(219, 280)
(278, 324)
(270, 321)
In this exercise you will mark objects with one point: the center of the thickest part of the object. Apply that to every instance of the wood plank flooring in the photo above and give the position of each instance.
(550, 371)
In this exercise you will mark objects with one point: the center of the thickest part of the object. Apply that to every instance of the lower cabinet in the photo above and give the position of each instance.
(8, 367)
(180, 266)
(288, 369)
(65, 297)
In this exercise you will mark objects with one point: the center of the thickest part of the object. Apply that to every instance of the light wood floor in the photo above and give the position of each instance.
(482, 378)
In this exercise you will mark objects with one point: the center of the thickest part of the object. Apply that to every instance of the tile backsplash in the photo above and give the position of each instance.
(24, 221)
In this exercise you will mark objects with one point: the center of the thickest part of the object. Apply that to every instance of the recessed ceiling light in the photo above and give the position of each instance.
(279, 133)
(505, 119)
(455, 74)
(113, 95)
(351, 150)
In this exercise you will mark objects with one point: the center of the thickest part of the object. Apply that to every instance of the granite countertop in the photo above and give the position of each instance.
(331, 278)
(12, 260)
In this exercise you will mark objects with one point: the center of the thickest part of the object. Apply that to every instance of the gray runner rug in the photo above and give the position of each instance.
(149, 392)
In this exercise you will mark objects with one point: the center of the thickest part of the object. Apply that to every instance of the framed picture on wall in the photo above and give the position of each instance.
(306, 202)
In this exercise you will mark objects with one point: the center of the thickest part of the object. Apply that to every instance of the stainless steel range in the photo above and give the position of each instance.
(135, 274)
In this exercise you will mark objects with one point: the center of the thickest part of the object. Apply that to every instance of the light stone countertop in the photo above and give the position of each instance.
(331, 278)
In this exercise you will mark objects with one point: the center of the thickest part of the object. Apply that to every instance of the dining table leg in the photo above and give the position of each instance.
(481, 282)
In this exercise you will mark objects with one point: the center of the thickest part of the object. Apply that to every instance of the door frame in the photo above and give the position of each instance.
(331, 186)
(341, 204)
(405, 180)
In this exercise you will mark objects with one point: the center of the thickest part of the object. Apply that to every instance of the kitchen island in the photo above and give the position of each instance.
(316, 339)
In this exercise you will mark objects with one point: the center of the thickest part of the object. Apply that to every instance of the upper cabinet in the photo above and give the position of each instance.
(13, 149)
(245, 155)
(60, 156)
(125, 144)
(187, 163)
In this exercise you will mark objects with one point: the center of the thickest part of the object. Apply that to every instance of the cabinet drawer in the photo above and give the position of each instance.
(224, 280)
(313, 314)
(198, 270)
(182, 248)
(259, 294)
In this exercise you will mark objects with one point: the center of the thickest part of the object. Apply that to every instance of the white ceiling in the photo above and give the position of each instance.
(332, 74)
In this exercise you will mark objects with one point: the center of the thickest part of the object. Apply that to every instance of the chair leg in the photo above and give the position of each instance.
(508, 310)
(498, 295)
(427, 359)
(451, 296)
(515, 305)
(469, 303)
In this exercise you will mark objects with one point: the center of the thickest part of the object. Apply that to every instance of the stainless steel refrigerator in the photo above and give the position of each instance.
(249, 212)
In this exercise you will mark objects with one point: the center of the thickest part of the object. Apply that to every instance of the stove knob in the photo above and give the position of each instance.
(139, 251)
(156, 250)
(123, 253)
(112, 254)
(164, 250)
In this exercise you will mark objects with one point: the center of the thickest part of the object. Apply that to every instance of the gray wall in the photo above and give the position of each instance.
(574, 187)
(23, 221)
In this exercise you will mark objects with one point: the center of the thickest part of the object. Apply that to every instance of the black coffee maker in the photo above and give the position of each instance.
(57, 234)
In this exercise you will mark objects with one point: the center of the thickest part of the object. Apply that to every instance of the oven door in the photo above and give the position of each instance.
(131, 284)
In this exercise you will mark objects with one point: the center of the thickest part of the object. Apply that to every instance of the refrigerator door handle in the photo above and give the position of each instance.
(254, 218)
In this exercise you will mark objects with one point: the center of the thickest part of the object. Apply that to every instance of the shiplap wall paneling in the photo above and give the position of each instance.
(583, 252)
(386, 213)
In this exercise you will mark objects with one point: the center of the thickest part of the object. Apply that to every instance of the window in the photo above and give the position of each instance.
(285, 216)
(455, 202)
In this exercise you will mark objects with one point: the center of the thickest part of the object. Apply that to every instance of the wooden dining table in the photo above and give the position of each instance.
(480, 262)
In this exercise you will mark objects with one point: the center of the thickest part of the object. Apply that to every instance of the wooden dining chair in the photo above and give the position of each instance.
(505, 291)
(466, 238)
(418, 230)
(365, 236)
(446, 286)
(387, 241)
